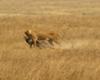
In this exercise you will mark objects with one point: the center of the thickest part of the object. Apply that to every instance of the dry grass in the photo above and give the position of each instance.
(76, 58)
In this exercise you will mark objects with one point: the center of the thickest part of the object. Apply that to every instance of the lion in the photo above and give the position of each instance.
(49, 38)
(40, 38)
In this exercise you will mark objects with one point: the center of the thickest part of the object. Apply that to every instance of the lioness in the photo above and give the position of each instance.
(39, 38)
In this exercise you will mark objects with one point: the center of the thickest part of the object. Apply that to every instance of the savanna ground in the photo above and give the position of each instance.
(76, 58)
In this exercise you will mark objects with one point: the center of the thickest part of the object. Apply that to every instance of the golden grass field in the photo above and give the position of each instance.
(77, 57)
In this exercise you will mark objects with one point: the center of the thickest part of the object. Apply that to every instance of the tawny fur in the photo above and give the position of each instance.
(41, 37)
